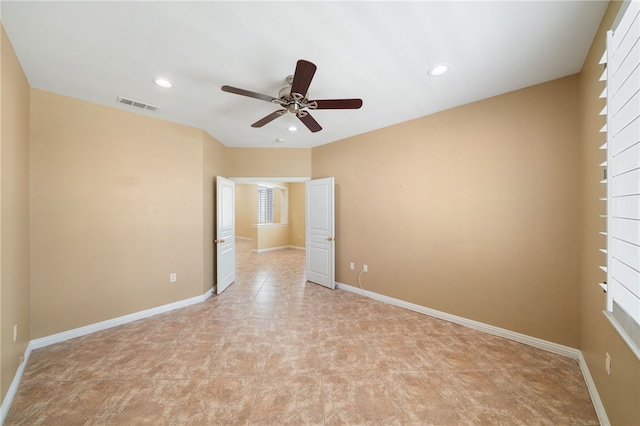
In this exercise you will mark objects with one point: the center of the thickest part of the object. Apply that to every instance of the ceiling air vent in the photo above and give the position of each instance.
(137, 104)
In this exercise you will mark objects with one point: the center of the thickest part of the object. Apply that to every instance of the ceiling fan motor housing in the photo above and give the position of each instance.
(293, 102)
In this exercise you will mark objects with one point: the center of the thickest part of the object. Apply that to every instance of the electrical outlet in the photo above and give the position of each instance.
(607, 364)
(352, 266)
(15, 332)
(365, 268)
(173, 278)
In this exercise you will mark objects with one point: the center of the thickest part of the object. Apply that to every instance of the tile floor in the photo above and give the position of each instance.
(275, 350)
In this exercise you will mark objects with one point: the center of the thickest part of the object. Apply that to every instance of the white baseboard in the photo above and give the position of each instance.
(82, 331)
(277, 248)
(486, 328)
(244, 238)
(501, 332)
(593, 391)
(13, 388)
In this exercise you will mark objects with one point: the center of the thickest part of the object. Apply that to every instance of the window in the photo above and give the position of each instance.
(622, 174)
(273, 204)
(265, 205)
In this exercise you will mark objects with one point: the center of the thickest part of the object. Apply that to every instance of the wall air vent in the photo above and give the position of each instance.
(137, 104)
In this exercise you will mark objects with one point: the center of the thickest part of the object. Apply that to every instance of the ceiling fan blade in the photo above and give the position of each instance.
(269, 118)
(248, 93)
(338, 103)
(310, 122)
(302, 77)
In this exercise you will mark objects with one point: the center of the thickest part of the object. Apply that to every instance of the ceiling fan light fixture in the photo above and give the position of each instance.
(163, 82)
(438, 70)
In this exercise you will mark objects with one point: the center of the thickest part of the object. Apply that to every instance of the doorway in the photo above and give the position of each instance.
(271, 212)
(288, 213)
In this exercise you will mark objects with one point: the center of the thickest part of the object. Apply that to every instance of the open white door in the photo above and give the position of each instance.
(320, 266)
(225, 233)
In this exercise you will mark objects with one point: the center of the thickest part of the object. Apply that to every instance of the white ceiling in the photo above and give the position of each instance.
(377, 51)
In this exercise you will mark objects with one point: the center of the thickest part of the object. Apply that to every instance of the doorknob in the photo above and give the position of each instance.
(330, 239)
(218, 241)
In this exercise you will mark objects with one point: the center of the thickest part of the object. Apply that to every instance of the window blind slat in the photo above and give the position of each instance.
(625, 69)
(627, 300)
(626, 276)
(626, 183)
(603, 76)
(628, 207)
(626, 160)
(630, 228)
(626, 253)
(627, 23)
(604, 111)
(625, 92)
(626, 113)
(626, 137)
(624, 61)
(603, 94)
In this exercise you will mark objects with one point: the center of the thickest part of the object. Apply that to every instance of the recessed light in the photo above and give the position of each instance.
(438, 70)
(279, 140)
(163, 82)
(292, 128)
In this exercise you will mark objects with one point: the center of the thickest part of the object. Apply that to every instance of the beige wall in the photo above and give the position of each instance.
(271, 237)
(472, 211)
(117, 206)
(268, 162)
(619, 392)
(297, 209)
(14, 212)
(246, 209)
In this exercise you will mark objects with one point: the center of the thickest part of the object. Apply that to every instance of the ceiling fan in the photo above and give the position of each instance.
(293, 98)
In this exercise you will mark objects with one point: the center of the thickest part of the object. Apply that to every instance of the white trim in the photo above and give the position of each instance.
(269, 179)
(623, 334)
(277, 248)
(15, 384)
(103, 325)
(501, 332)
(244, 238)
(593, 391)
(485, 328)
(82, 331)
(539, 343)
